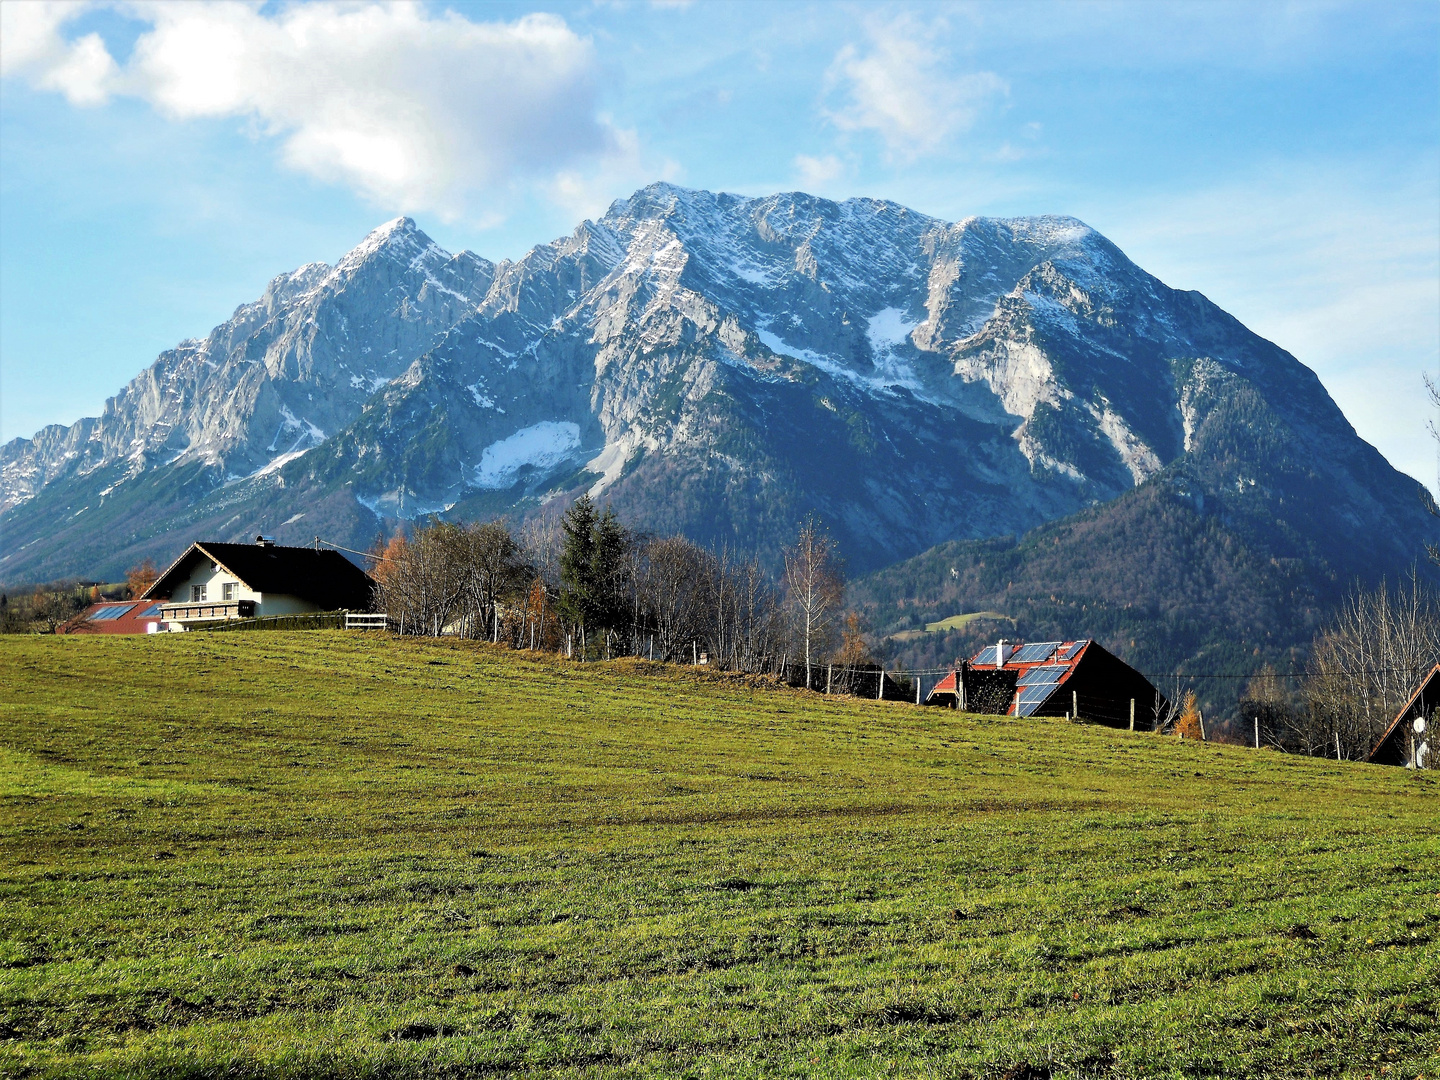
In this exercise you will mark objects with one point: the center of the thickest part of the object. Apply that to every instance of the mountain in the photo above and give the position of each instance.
(722, 366)
(273, 382)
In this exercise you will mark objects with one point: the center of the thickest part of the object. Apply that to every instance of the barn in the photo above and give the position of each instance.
(1402, 744)
(1052, 678)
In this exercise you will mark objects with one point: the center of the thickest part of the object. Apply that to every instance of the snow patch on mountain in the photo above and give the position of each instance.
(889, 328)
(540, 446)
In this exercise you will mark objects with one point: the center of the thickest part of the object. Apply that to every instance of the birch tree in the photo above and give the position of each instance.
(815, 589)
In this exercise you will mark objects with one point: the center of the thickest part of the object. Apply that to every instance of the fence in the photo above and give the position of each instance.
(366, 620)
(315, 620)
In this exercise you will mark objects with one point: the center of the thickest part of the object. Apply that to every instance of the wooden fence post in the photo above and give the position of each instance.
(829, 674)
(917, 688)
(1074, 704)
(1257, 733)
(1132, 714)
(880, 689)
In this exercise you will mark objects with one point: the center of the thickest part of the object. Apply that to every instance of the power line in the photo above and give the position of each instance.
(352, 551)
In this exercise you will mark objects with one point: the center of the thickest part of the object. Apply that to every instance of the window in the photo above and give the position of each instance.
(197, 594)
(227, 591)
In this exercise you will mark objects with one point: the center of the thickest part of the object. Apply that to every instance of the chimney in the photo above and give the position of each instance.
(1000, 654)
(265, 541)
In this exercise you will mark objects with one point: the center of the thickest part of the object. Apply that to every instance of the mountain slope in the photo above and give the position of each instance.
(722, 366)
(262, 389)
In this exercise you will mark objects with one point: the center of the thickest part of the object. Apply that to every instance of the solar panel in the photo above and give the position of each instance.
(1034, 695)
(1035, 652)
(1045, 675)
(150, 612)
(987, 656)
(106, 614)
(1071, 650)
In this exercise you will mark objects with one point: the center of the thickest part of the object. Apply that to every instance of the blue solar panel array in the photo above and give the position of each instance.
(1032, 697)
(109, 613)
(987, 656)
(1069, 653)
(1035, 652)
(1045, 674)
(151, 612)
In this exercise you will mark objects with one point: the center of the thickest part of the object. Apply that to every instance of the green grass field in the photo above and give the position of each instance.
(954, 622)
(325, 854)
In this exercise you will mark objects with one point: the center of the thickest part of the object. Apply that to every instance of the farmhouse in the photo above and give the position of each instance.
(1052, 678)
(1402, 744)
(213, 581)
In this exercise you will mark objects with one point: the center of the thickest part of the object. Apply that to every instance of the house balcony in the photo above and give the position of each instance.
(208, 611)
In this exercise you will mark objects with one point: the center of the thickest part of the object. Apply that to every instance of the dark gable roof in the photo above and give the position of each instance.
(1392, 749)
(324, 578)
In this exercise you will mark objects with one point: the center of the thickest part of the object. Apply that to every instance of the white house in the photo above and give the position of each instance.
(213, 581)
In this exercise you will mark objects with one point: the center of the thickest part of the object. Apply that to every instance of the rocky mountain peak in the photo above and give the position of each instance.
(714, 364)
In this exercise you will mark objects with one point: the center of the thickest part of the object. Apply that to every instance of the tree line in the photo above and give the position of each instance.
(1362, 669)
(585, 584)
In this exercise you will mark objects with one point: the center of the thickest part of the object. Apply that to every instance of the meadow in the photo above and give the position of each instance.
(348, 855)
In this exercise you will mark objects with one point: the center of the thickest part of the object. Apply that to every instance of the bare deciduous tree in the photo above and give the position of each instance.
(815, 589)
(673, 588)
(1365, 665)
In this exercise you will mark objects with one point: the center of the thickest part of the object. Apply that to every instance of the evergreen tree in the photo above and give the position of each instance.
(612, 543)
(577, 563)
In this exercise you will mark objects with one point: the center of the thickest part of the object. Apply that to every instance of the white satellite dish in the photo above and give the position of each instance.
(1419, 725)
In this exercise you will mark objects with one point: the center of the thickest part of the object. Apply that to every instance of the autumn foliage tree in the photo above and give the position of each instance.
(140, 577)
(1189, 723)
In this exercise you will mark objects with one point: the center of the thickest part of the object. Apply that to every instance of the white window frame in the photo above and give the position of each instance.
(229, 591)
(198, 594)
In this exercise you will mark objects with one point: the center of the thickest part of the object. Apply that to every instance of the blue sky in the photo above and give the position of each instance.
(160, 162)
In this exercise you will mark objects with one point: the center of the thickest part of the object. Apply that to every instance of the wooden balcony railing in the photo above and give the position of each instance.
(205, 610)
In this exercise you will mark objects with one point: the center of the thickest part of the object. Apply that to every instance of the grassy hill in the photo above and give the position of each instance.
(344, 855)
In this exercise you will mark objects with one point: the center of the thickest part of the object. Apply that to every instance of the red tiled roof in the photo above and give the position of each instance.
(1038, 664)
(115, 617)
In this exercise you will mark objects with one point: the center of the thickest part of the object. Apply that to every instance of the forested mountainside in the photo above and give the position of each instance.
(723, 366)
(1179, 575)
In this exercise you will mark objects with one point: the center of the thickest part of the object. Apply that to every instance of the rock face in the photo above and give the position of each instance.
(274, 380)
(719, 366)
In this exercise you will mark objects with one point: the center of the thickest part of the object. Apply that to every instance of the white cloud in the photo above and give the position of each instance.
(816, 172)
(33, 46)
(588, 192)
(900, 88)
(417, 112)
